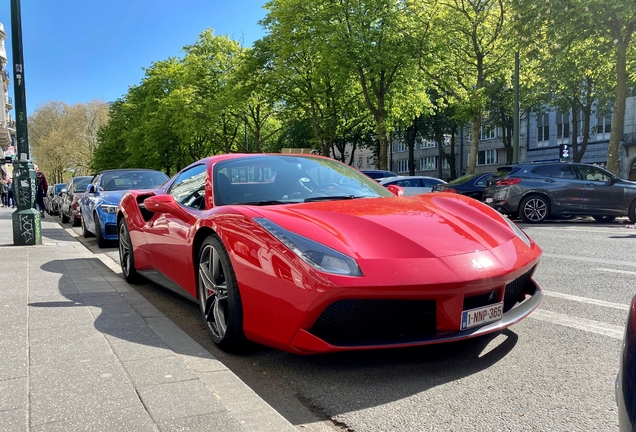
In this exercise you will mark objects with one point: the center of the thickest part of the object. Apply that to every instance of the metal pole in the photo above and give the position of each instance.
(515, 127)
(26, 220)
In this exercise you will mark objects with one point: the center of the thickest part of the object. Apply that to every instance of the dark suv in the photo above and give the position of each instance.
(537, 191)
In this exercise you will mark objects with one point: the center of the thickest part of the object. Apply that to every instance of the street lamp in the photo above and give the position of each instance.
(26, 220)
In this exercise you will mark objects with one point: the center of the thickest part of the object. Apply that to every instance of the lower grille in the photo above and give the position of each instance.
(514, 290)
(111, 229)
(375, 322)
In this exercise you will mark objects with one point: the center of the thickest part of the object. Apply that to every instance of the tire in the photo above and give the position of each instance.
(85, 233)
(219, 297)
(534, 209)
(65, 218)
(101, 241)
(604, 219)
(126, 254)
(632, 212)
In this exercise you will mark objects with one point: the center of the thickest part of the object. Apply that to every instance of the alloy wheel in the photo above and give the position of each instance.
(124, 249)
(213, 292)
(535, 209)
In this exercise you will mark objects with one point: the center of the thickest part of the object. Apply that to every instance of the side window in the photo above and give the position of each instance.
(543, 170)
(563, 171)
(482, 181)
(189, 188)
(594, 174)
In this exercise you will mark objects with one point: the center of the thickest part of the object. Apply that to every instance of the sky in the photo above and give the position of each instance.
(79, 50)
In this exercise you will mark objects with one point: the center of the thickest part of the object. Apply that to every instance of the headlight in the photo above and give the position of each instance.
(107, 208)
(517, 230)
(319, 256)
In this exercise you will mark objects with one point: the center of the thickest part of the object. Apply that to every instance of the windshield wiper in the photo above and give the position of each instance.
(332, 198)
(265, 202)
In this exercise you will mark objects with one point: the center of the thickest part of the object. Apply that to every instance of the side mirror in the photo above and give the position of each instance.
(396, 190)
(90, 189)
(167, 204)
(63, 191)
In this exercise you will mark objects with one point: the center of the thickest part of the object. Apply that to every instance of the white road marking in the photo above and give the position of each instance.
(586, 300)
(584, 324)
(593, 260)
(617, 271)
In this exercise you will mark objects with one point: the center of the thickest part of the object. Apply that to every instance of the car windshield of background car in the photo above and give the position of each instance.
(82, 184)
(134, 180)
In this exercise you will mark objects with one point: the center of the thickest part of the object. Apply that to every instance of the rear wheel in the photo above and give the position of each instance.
(534, 209)
(126, 254)
(605, 219)
(219, 296)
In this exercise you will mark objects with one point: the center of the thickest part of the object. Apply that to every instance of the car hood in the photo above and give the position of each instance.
(431, 225)
(111, 197)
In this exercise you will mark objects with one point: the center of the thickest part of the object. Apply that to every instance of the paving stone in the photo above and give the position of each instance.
(15, 420)
(13, 341)
(54, 314)
(63, 344)
(139, 350)
(70, 390)
(180, 399)
(14, 367)
(13, 393)
(156, 371)
(129, 419)
(211, 422)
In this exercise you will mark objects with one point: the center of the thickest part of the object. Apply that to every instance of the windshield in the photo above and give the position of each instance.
(126, 180)
(59, 187)
(266, 180)
(82, 184)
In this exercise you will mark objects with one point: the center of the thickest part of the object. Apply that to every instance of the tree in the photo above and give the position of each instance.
(468, 39)
(63, 137)
(608, 26)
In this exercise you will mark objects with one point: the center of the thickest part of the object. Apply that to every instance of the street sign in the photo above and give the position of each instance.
(564, 151)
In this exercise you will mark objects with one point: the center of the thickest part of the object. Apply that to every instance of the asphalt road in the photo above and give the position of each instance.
(554, 371)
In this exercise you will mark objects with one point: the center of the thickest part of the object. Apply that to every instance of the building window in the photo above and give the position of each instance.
(487, 157)
(543, 129)
(403, 166)
(445, 164)
(427, 143)
(368, 161)
(563, 125)
(428, 163)
(488, 132)
(603, 123)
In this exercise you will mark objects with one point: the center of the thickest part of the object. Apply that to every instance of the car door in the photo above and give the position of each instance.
(561, 182)
(604, 196)
(89, 202)
(168, 236)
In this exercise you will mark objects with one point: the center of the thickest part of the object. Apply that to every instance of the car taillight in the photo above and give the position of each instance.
(508, 181)
(450, 190)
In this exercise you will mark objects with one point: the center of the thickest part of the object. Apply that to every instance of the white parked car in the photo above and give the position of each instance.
(413, 185)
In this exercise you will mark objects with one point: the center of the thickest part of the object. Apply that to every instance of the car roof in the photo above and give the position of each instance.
(386, 179)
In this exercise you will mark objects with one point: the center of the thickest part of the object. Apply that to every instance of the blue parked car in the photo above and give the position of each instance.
(98, 206)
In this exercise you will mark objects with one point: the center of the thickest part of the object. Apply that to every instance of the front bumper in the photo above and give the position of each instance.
(308, 343)
(108, 225)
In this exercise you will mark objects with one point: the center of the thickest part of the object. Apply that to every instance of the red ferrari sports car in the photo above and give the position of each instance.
(307, 255)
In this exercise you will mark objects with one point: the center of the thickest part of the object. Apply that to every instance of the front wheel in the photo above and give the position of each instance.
(101, 241)
(219, 297)
(632, 212)
(126, 254)
(85, 232)
(65, 218)
(534, 209)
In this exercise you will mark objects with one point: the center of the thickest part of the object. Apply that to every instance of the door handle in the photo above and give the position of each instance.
(590, 184)
(549, 180)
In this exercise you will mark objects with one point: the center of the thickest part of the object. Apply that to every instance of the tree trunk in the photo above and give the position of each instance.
(616, 134)
(474, 144)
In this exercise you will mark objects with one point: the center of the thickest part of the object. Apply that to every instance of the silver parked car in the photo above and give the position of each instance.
(413, 185)
(536, 192)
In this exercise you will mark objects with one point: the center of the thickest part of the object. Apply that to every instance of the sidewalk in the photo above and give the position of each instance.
(81, 350)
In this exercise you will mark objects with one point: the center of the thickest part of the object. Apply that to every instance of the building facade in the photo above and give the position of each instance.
(7, 125)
